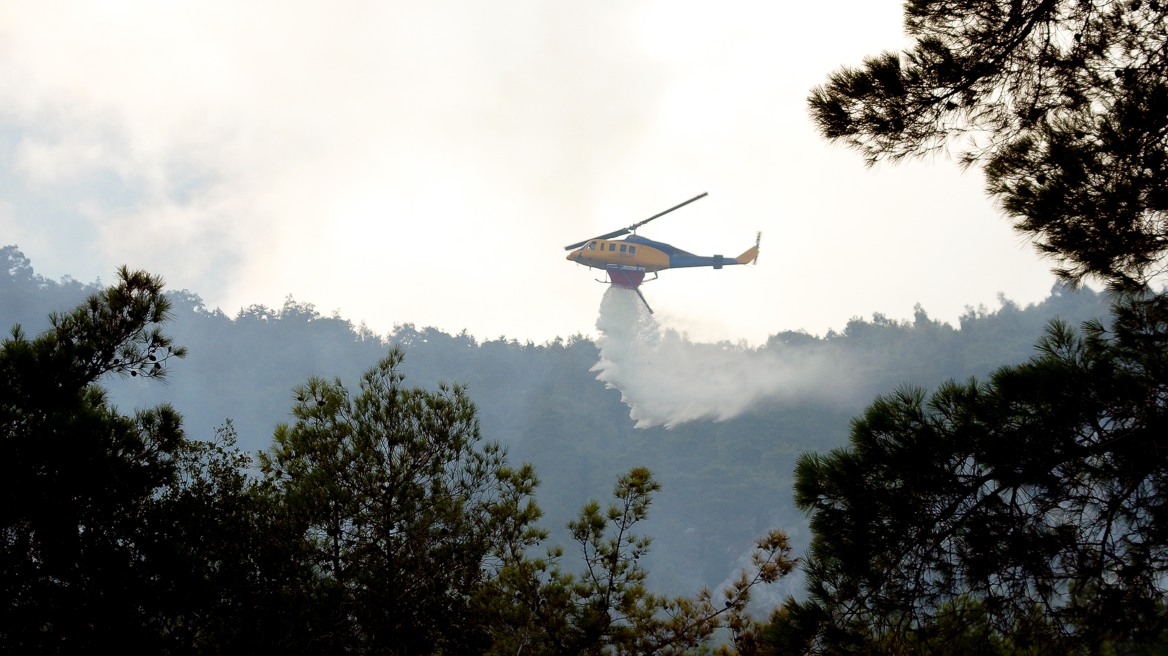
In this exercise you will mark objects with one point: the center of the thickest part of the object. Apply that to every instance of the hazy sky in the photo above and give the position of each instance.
(426, 162)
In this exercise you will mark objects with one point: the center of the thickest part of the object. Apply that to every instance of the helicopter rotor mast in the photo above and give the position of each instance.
(633, 228)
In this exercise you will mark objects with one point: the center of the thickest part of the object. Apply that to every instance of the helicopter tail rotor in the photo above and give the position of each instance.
(750, 256)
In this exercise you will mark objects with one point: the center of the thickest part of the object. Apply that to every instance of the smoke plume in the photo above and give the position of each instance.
(667, 380)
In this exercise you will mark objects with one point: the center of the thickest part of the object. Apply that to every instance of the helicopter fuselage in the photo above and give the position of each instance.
(630, 254)
(624, 258)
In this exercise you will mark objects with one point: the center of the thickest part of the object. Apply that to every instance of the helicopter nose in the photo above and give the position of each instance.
(574, 255)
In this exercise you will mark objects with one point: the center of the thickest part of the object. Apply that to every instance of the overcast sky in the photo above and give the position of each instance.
(426, 162)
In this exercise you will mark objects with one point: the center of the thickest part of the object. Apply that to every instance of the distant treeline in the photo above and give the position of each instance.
(723, 483)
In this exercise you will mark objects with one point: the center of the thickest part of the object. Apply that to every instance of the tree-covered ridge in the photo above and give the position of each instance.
(725, 483)
(378, 522)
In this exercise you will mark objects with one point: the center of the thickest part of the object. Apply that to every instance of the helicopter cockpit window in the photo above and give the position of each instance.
(591, 245)
(624, 247)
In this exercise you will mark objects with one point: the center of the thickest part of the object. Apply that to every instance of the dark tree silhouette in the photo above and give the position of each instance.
(1064, 101)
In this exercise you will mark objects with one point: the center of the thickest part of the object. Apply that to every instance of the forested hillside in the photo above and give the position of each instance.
(723, 483)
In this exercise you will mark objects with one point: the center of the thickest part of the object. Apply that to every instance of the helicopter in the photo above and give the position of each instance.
(626, 261)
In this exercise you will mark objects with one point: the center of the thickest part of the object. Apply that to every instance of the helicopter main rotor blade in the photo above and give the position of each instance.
(625, 231)
(661, 214)
(610, 235)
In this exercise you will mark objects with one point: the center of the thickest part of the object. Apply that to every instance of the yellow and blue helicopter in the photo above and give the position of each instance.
(626, 261)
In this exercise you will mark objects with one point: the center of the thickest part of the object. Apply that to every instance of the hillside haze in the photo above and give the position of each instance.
(584, 412)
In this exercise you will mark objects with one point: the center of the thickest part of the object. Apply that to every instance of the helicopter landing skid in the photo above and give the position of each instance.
(638, 290)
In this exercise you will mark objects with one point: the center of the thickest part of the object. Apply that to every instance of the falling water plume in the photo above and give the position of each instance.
(667, 380)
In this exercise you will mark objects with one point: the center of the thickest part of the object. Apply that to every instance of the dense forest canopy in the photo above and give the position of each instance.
(724, 483)
(379, 521)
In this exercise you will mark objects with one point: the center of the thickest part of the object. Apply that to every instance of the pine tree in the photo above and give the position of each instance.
(1064, 102)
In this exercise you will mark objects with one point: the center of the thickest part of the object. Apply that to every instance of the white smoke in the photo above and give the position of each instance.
(667, 380)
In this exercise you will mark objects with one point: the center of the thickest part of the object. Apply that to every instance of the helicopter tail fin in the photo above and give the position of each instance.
(751, 254)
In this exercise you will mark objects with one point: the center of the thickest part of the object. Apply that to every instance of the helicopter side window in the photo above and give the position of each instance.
(632, 250)
(624, 248)
(612, 247)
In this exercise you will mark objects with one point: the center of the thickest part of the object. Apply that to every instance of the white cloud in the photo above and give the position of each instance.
(426, 162)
